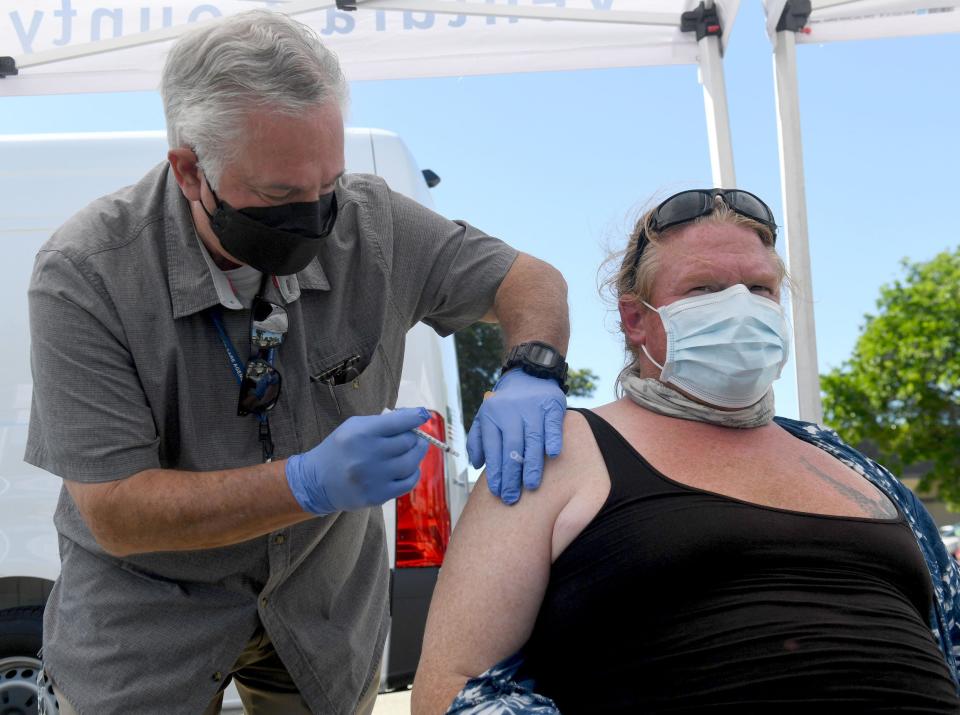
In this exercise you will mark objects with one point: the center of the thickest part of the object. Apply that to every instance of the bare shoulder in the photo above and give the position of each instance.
(579, 449)
(587, 482)
(562, 478)
(569, 474)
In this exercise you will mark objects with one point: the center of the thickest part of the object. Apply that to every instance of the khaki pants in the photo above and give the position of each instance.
(264, 684)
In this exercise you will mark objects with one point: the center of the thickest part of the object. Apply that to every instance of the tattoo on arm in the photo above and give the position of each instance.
(879, 507)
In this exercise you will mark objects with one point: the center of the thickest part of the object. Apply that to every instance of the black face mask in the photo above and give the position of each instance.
(278, 240)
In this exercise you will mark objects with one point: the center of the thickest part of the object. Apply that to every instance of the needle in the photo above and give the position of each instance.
(430, 438)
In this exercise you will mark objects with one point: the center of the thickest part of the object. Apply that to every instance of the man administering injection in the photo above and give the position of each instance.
(192, 339)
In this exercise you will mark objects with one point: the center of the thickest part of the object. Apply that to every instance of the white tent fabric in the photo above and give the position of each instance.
(837, 20)
(71, 46)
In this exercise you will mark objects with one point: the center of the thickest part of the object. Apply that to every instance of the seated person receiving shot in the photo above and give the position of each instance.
(687, 552)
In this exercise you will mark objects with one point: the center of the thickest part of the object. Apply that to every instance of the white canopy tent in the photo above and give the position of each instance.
(69, 46)
(72, 46)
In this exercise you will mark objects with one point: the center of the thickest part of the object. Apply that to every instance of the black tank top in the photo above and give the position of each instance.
(674, 599)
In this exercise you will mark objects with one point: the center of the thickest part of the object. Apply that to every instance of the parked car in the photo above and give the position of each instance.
(44, 179)
(950, 534)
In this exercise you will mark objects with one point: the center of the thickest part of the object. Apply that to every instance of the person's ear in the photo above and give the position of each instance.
(632, 319)
(186, 169)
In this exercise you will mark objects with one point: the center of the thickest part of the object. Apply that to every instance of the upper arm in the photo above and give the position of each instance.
(90, 420)
(446, 273)
(522, 261)
(527, 278)
(492, 582)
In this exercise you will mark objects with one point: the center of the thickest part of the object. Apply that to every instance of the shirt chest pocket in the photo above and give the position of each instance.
(356, 380)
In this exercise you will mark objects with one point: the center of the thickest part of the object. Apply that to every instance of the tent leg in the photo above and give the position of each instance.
(718, 118)
(795, 223)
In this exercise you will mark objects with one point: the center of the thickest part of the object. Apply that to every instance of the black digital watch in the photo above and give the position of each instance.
(540, 360)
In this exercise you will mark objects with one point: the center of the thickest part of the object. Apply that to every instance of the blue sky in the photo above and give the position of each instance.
(560, 164)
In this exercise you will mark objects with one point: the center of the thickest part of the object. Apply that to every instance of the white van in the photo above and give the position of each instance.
(44, 179)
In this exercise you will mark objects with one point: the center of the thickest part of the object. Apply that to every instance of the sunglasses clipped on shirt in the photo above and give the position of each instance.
(260, 387)
(692, 204)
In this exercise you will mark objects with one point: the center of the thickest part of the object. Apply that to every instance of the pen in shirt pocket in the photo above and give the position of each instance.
(339, 374)
(430, 438)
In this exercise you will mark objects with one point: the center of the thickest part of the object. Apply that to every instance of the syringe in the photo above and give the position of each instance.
(430, 438)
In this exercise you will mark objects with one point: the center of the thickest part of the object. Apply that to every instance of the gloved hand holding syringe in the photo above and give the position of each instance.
(366, 461)
(430, 438)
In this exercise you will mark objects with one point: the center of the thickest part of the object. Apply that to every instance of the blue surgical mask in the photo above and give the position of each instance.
(724, 348)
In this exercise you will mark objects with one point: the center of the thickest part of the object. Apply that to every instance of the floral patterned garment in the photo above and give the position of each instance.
(496, 692)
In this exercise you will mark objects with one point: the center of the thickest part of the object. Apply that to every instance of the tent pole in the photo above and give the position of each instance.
(715, 105)
(795, 223)
(718, 117)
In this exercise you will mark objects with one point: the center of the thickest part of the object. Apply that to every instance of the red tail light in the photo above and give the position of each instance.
(423, 519)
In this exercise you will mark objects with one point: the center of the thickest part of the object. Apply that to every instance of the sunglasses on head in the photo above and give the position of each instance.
(692, 204)
(260, 387)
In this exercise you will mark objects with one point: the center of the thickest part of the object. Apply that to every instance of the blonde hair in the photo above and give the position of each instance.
(637, 284)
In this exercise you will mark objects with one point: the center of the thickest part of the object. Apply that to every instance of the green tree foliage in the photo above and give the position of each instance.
(583, 383)
(480, 353)
(899, 394)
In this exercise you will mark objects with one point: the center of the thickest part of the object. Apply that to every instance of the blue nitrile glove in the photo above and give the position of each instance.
(364, 462)
(512, 430)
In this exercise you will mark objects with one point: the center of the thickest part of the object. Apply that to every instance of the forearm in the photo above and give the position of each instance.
(172, 510)
(531, 304)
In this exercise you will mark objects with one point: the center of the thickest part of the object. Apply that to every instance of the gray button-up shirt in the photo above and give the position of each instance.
(129, 374)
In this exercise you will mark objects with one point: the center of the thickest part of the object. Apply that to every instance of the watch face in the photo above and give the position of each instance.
(542, 355)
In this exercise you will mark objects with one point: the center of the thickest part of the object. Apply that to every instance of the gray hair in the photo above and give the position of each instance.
(216, 74)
